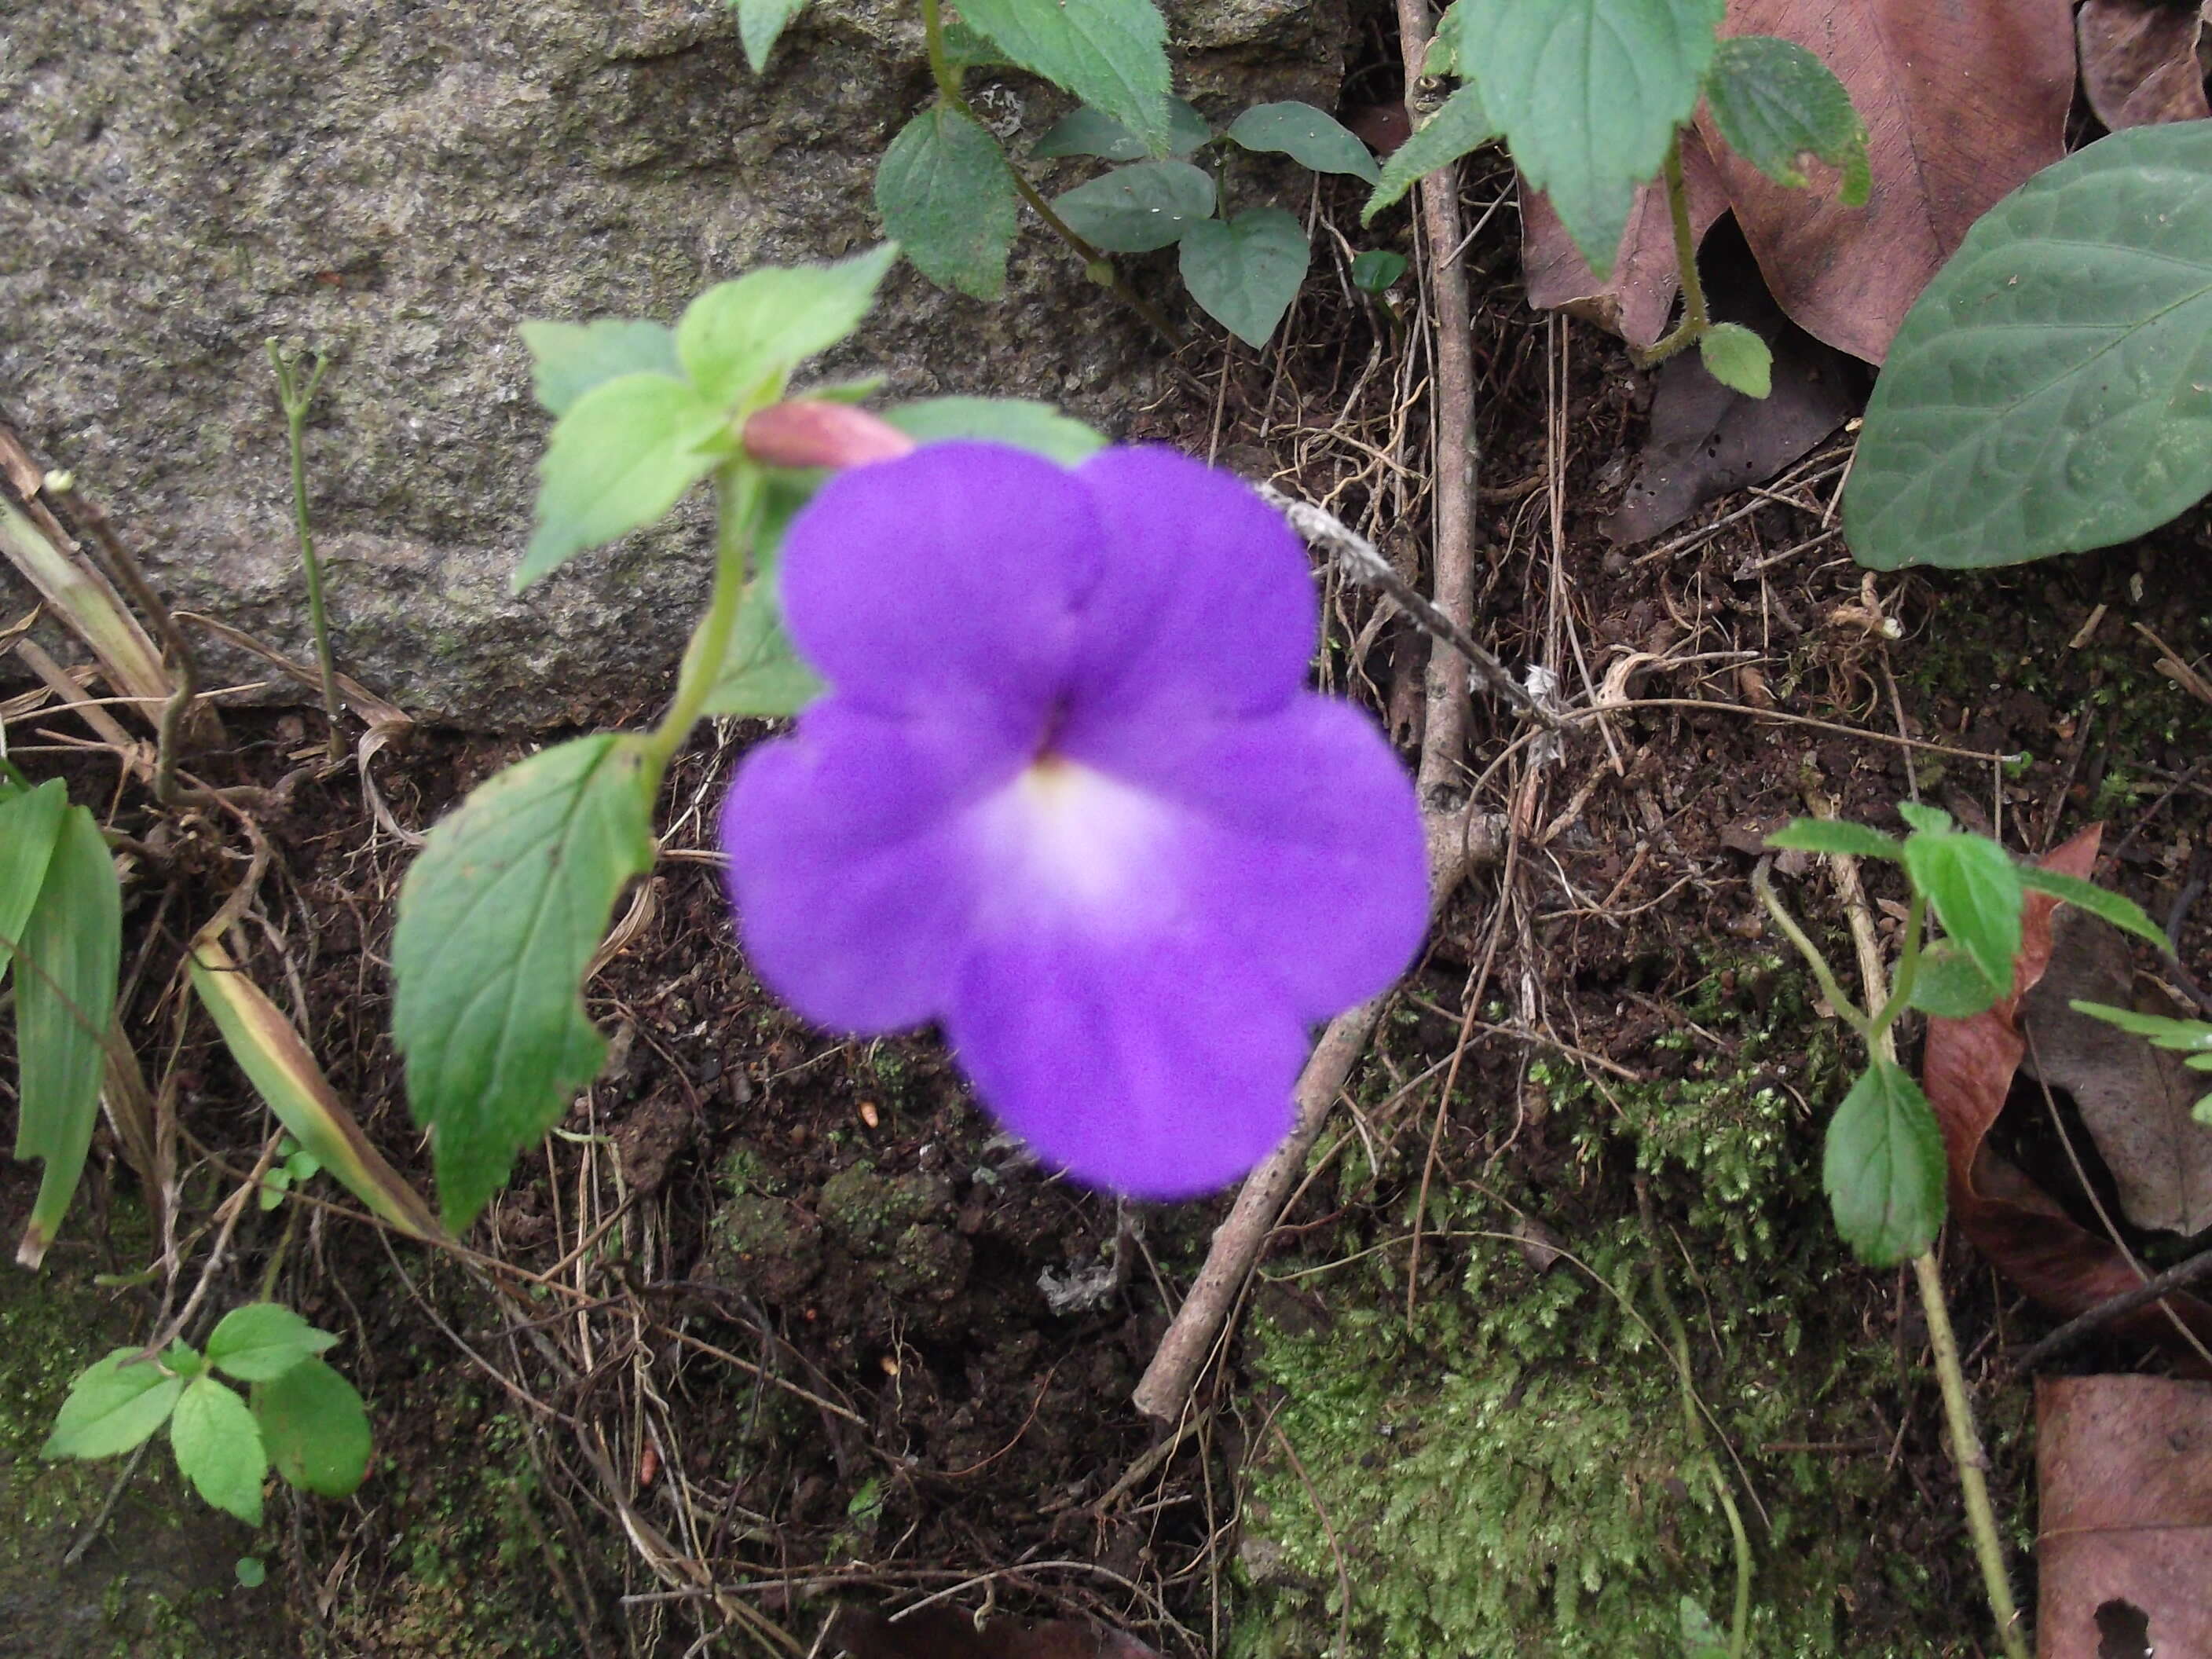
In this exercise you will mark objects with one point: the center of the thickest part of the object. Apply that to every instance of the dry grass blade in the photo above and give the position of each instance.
(82, 600)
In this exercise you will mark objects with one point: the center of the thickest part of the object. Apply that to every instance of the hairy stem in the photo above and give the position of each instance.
(296, 400)
(1695, 324)
(737, 506)
(1763, 885)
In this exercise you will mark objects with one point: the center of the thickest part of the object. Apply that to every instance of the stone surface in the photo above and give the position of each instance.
(400, 183)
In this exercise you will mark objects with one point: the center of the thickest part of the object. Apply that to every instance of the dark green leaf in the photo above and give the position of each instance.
(1976, 889)
(112, 1406)
(1245, 273)
(1038, 428)
(1460, 124)
(498, 918)
(263, 1340)
(315, 1429)
(1135, 209)
(251, 1572)
(1949, 984)
(1775, 103)
(2123, 913)
(1851, 840)
(759, 23)
(30, 821)
(740, 340)
(2192, 1036)
(947, 194)
(1307, 136)
(2051, 389)
(572, 358)
(1377, 269)
(1112, 54)
(219, 1448)
(1084, 131)
(1884, 1166)
(1738, 359)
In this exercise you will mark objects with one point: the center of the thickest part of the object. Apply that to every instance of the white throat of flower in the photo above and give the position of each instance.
(1072, 843)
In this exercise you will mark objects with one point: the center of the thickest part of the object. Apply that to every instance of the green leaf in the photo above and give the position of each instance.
(1775, 103)
(498, 918)
(315, 1428)
(1084, 131)
(1976, 889)
(219, 1448)
(1834, 836)
(1135, 209)
(2122, 912)
(1461, 124)
(762, 675)
(251, 1571)
(1949, 984)
(2051, 389)
(1246, 272)
(72, 948)
(30, 822)
(1112, 54)
(1589, 95)
(263, 1340)
(1307, 136)
(964, 49)
(572, 358)
(112, 1406)
(1933, 819)
(1701, 1638)
(617, 461)
(1038, 428)
(2190, 1037)
(759, 23)
(1377, 269)
(1738, 359)
(740, 340)
(1884, 1166)
(946, 192)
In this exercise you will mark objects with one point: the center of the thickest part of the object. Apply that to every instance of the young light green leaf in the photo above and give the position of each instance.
(1084, 131)
(498, 918)
(263, 1340)
(947, 194)
(1949, 984)
(1459, 125)
(1738, 359)
(1976, 889)
(2190, 1036)
(315, 1429)
(762, 676)
(1701, 1638)
(1112, 54)
(219, 1448)
(759, 23)
(1775, 103)
(1136, 209)
(2122, 912)
(740, 340)
(1589, 95)
(1884, 1166)
(2051, 389)
(618, 460)
(1836, 837)
(572, 358)
(114, 1404)
(1306, 135)
(252, 1573)
(72, 947)
(1918, 815)
(1038, 428)
(1375, 270)
(1245, 273)
(30, 821)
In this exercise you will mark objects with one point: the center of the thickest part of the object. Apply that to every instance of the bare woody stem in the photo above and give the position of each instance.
(1696, 322)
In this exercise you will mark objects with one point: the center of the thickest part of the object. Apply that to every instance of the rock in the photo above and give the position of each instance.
(399, 185)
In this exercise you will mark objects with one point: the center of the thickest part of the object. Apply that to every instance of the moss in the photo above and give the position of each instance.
(871, 1210)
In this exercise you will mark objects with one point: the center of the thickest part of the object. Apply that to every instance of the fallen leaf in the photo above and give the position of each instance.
(947, 1633)
(2139, 62)
(1962, 100)
(2134, 1099)
(2124, 1471)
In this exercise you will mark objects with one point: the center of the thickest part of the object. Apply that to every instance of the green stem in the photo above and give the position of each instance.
(1908, 970)
(1695, 324)
(296, 400)
(738, 507)
(1763, 885)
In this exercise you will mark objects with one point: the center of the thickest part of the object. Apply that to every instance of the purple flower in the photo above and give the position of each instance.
(1069, 796)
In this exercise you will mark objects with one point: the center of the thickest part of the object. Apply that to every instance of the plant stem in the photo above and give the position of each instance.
(296, 401)
(1847, 1011)
(737, 507)
(1695, 324)
(1908, 970)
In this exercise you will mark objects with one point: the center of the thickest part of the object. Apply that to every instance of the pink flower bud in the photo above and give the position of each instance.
(809, 432)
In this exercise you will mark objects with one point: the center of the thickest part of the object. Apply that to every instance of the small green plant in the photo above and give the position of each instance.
(293, 1166)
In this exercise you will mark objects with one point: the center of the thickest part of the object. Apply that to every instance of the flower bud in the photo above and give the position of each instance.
(811, 432)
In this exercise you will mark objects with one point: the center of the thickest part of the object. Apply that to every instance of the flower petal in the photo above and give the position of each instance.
(1204, 597)
(1158, 1068)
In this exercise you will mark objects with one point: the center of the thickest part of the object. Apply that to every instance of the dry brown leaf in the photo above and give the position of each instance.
(2139, 62)
(1963, 100)
(2123, 1469)
(2134, 1099)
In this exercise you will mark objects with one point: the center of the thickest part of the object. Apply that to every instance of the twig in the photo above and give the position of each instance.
(2179, 1277)
(296, 400)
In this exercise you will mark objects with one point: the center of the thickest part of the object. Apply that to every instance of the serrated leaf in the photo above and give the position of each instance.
(1112, 54)
(1084, 131)
(1461, 124)
(1883, 1169)
(1589, 95)
(740, 340)
(1138, 209)
(617, 461)
(2190, 1036)
(1246, 272)
(1038, 428)
(1976, 889)
(1836, 837)
(759, 23)
(2123, 913)
(1376, 268)
(262, 1340)
(1308, 135)
(947, 196)
(113, 1405)
(2051, 390)
(498, 918)
(1949, 984)
(569, 359)
(219, 1448)
(1775, 103)
(1737, 358)
(315, 1429)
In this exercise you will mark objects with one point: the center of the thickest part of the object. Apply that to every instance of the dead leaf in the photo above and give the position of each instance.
(1963, 100)
(2123, 1469)
(948, 1633)
(2134, 1099)
(2139, 63)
